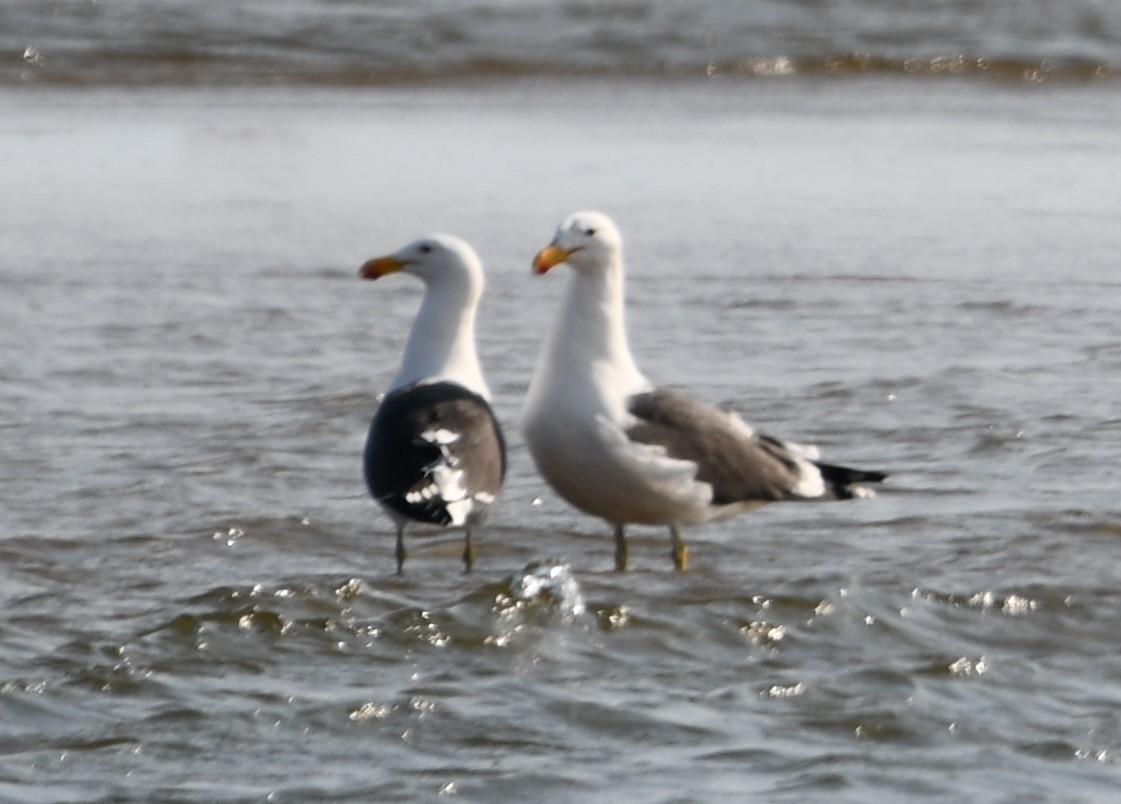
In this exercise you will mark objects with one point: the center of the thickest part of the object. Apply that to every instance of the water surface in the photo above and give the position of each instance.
(200, 606)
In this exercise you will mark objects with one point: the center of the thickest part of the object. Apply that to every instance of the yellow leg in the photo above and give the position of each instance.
(680, 549)
(401, 551)
(620, 549)
(468, 553)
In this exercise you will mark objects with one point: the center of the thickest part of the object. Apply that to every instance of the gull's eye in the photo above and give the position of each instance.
(590, 232)
(425, 248)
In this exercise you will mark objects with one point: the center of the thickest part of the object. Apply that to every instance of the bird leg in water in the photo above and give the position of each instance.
(620, 549)
(680, 549)
(401, 550)
(468, 552)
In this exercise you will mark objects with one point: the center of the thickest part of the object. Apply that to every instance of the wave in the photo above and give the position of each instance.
(349, 43)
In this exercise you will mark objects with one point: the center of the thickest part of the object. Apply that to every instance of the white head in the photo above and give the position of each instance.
(586, 355)
(441, 345)
(437, 258)
(587, 241)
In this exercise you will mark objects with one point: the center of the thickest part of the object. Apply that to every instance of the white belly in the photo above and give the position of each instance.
(587, 458)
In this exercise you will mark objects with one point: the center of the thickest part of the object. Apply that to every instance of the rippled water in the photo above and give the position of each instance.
(199, 595)
(92, 42)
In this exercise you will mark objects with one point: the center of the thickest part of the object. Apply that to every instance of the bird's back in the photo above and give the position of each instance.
(435, 453)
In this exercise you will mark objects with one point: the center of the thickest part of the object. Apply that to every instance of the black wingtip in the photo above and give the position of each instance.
(843, 481)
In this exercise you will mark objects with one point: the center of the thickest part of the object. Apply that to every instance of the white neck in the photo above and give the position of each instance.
(588, 343)
(441, 345)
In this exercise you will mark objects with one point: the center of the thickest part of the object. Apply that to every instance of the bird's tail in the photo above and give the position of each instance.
(844, 482)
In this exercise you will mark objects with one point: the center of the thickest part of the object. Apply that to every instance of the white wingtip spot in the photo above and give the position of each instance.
(808, 451)
(459, 511)
(440, 436)
(810, 482)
